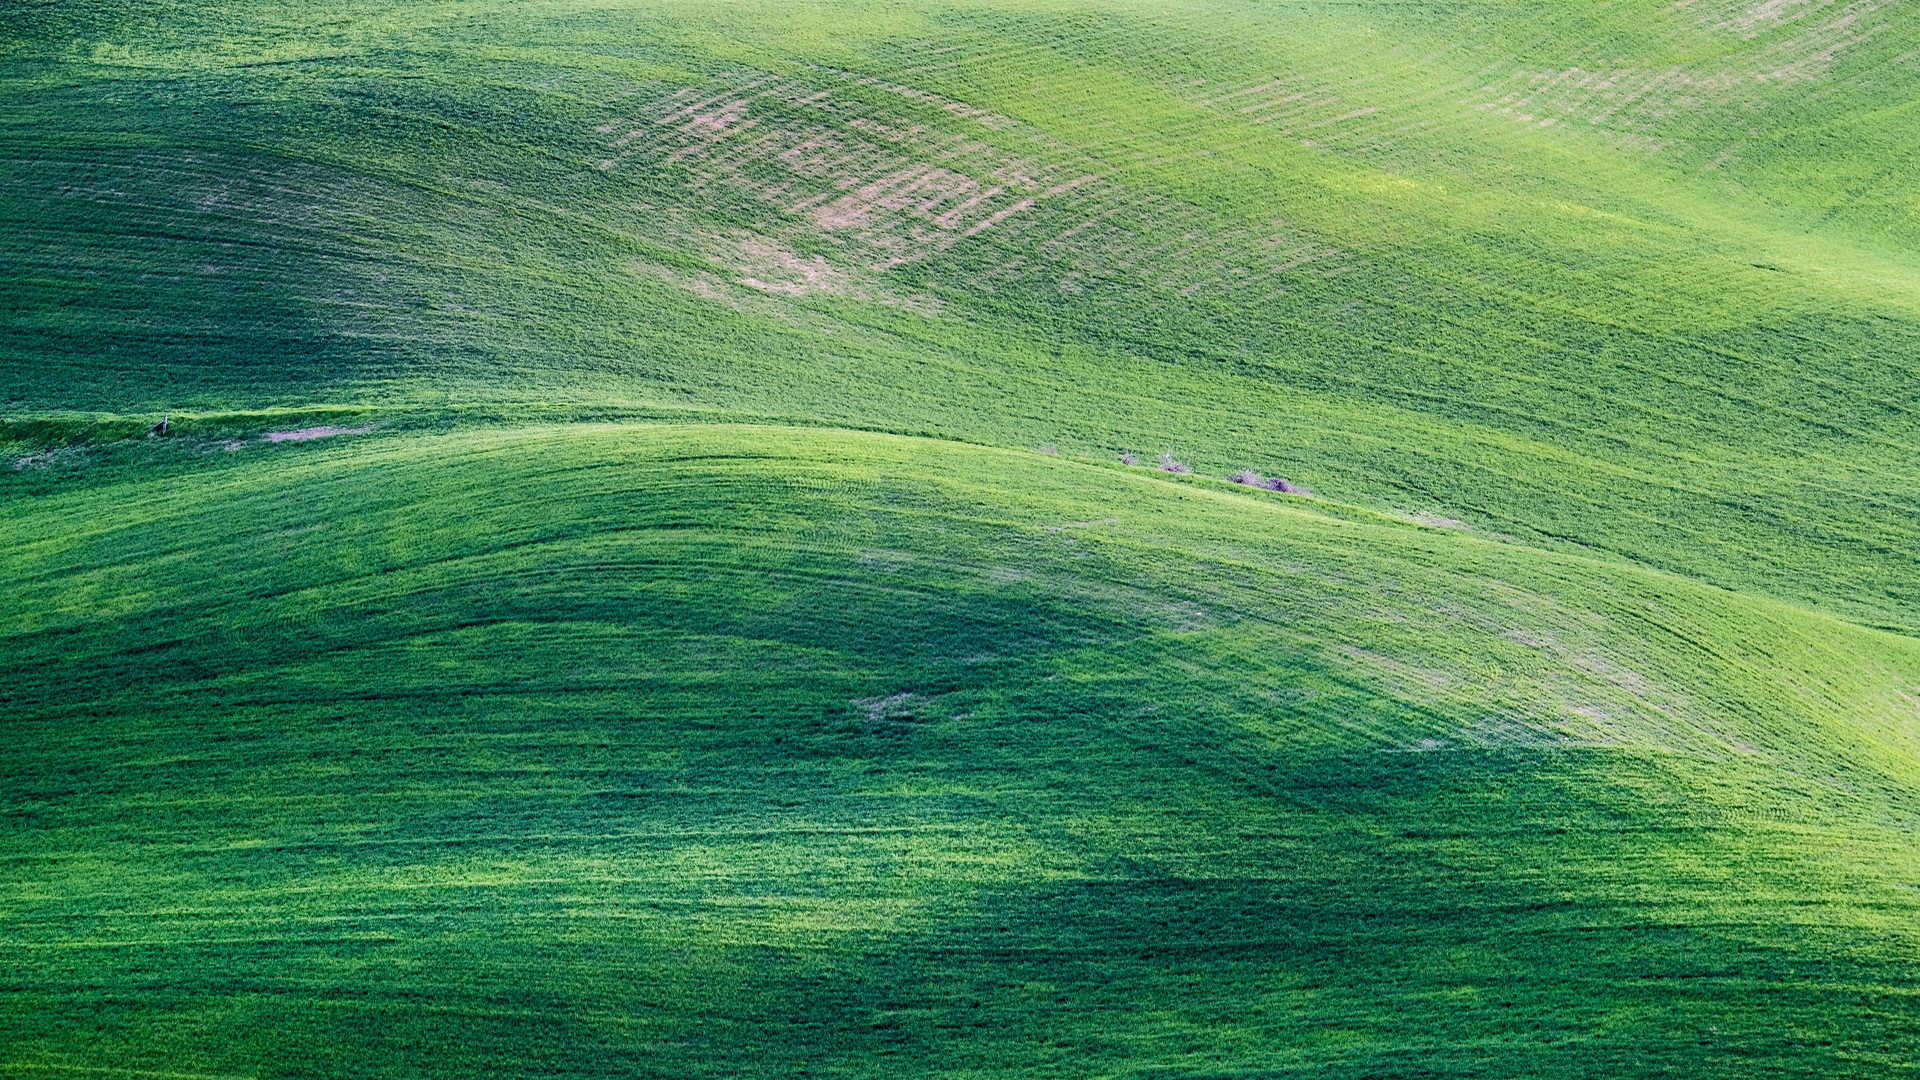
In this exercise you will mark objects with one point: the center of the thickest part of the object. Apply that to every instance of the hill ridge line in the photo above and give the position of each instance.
(1314, 505)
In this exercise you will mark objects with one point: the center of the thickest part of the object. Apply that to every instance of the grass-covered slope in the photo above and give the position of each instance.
(718, 750)
(595, 607)
(1636, 276)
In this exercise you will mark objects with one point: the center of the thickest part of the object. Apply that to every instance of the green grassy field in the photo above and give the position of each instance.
(708, 630)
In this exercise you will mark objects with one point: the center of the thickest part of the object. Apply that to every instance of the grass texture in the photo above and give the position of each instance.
(663, 652)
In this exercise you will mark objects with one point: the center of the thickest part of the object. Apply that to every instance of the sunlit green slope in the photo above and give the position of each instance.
(1636, 276)
(715, 750)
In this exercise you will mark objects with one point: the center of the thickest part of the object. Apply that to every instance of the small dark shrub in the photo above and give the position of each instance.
(1168, 464)
(1246, 476)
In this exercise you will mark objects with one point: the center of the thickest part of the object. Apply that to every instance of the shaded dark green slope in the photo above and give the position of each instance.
(1342, 242)
(716, 751)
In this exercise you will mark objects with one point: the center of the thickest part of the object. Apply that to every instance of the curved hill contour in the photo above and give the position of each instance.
(590, 538)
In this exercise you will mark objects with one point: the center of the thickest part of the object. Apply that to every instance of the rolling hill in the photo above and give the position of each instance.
(591, 538)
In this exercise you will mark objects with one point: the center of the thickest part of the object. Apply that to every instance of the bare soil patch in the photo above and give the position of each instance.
(53, 456)
(898, 190)
(324, 431)
(887, 186)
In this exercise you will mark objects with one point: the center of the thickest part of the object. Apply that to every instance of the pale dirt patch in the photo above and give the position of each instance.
(729, 117)
(1635, 684)
(1186, 617)
(707, 286)
(324, 431)
(750, 269)
(1500, 731)
(1607, 699)
(951, 220)
(1437, 521)
(999, 216)
(887, 189)
(1771, 11)
(884, 562)
(902, 708)
(771, 268)
(53, 456)
(1805, 39)
(1749, 19)
(892, 185)
(878, 707)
